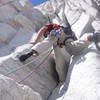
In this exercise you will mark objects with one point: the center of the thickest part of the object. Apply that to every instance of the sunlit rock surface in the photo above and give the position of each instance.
(82, 81)
(20, 21)
(10, 90)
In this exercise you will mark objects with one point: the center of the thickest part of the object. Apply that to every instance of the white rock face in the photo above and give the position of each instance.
(42, 80)
(6, 32)
(82, 82)
(16, 16)
(19, 22)
(10, 90)
(84, 78)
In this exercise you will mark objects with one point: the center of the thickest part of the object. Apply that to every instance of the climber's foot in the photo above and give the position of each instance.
(22, 58)
(35, 53)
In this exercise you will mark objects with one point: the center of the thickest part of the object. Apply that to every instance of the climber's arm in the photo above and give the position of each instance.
(43, 30)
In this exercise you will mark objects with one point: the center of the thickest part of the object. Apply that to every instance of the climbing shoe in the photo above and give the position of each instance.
(23, 57)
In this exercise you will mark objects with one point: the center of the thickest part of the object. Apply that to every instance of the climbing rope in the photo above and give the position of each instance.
(26, 64)
(36, 67)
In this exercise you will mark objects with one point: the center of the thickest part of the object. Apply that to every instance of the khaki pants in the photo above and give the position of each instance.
(43, 45)
(59, 59)
(75, 47)
(61, 64)
(46, 43)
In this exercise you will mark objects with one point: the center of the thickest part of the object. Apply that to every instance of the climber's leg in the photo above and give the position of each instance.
(42, 46)
(75, 47)
(37, 49)
(23, 57)
(61, 64)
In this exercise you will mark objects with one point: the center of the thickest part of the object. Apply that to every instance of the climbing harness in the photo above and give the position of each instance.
(26, 64)
(36, 67)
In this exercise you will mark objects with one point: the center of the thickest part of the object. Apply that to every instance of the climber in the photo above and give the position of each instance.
(53, 34)
(58, 37)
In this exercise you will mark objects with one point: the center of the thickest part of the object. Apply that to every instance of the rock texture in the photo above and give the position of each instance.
(17, 20)
(19, 23)
(10, 90)
(82, 82)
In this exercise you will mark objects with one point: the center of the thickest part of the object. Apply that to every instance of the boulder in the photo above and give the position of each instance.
(25, 22)
(82, 81)
(7, 12)
(42, 80)
(6, 33)
(10, 90)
